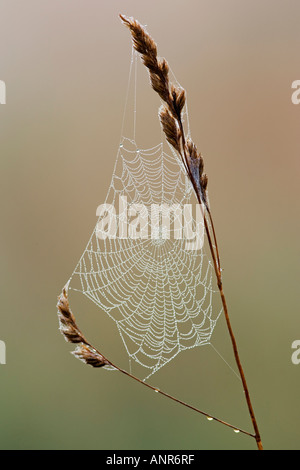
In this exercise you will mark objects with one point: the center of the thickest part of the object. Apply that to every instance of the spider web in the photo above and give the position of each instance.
(158, 290)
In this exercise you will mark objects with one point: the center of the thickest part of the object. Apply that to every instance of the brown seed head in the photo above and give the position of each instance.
(142, 41)
(178, 97)
(67, 323)
(170, 127)
(158, 68)
(175, 98)
(90, 356)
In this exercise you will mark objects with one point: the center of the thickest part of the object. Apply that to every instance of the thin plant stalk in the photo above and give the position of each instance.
(170, 116)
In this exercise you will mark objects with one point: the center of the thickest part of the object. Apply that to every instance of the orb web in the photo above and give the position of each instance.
(157, 290)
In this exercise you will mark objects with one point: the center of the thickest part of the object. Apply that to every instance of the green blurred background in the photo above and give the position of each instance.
(65, 65)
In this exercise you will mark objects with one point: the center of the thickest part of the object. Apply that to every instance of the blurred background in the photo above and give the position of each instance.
(65, 64)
